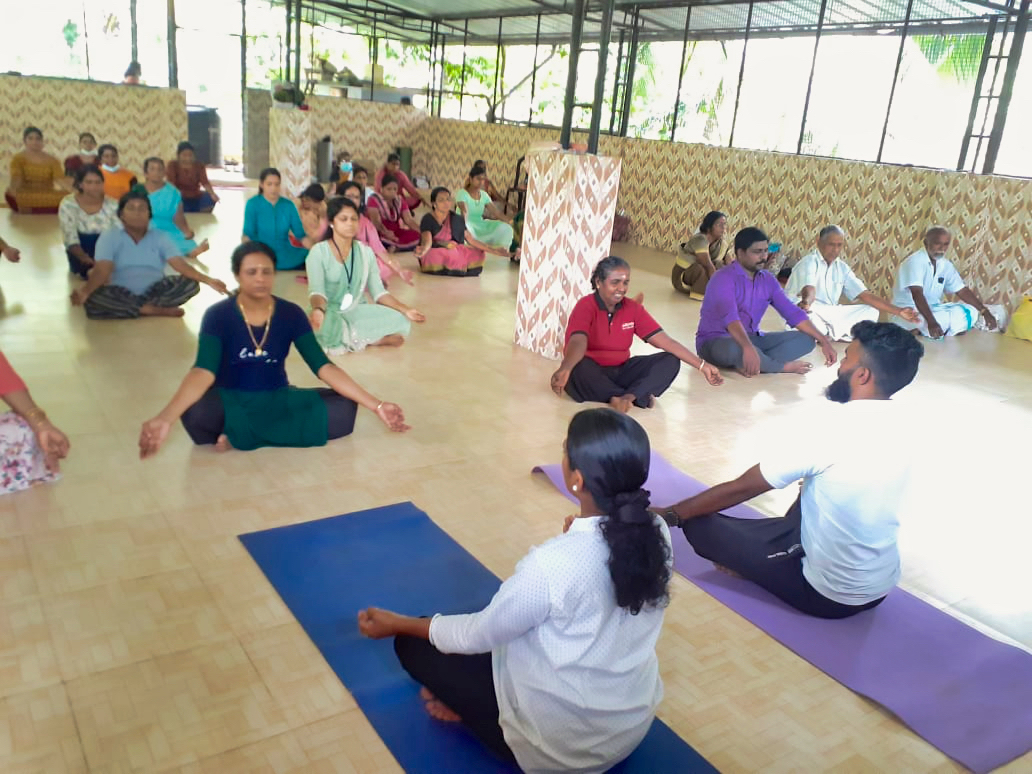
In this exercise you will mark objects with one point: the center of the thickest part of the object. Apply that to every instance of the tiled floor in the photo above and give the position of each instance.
(137, 635)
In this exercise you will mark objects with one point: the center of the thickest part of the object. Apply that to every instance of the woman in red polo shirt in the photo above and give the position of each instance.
(597, 364)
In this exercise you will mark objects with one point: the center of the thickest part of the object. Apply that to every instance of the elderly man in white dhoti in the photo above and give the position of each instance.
(819, 280)
(925, 277)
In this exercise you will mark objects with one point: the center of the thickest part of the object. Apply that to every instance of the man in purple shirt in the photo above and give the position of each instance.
(729, 324)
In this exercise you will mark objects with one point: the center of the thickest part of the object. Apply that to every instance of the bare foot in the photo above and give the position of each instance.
(721, 568)
(203, 247)
(622, 403)
(393, 340)
(797, 367)
(437, 709)
(149, 310)
(222, 444)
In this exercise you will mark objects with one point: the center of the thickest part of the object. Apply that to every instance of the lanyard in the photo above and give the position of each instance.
(349, 265)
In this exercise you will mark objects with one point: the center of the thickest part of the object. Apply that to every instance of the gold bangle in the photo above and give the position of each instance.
(378, 406)
(35, 413)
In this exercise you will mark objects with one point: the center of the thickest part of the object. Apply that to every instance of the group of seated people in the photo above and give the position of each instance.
(452, 239)
(820, 279)
(39, 182)
(597, 365)
(506, 671)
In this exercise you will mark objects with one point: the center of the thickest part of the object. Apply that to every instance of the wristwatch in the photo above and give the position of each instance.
(669, 515)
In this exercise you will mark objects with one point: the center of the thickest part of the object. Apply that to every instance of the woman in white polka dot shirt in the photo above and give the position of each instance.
(559, 671)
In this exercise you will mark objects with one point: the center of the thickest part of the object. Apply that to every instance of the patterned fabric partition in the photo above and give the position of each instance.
(367, 130)
(668, 187)
(138, 120)
(568, 228)
(290, 148)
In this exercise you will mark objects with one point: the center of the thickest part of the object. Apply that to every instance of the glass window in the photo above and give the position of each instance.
(930, 109)
(848, 103)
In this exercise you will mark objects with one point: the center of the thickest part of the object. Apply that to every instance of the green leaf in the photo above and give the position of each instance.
(956, 57)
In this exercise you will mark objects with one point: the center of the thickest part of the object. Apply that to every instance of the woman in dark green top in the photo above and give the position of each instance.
(237, 394)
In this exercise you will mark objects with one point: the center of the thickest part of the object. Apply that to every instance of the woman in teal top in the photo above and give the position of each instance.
(167, 209)
(341, 270)
(474, 203)
(237, 394)
(272, 219)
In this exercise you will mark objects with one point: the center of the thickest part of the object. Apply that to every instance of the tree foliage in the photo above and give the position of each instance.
(954, 56)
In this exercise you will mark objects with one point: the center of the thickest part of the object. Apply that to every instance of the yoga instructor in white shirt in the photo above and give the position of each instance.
(834, 554)
(559, 671)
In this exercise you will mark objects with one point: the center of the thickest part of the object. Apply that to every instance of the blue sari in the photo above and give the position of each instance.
(164, 204)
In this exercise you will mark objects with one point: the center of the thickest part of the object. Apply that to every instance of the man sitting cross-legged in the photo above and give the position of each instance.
(820, 279)
(834, 553)
(729, 323)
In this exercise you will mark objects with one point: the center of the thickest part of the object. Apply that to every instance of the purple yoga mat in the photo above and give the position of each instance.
(962, 691)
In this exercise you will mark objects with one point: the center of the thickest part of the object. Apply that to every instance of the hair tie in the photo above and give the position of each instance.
(632, 507)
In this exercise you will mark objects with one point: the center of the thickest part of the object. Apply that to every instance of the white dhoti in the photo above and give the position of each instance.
(956, 317)
(837, 320)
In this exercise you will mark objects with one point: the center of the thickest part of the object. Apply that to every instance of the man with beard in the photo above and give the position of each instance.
(922, 281)
(834, 553)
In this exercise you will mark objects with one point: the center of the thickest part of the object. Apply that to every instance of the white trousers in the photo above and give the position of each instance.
(837, 320)
(957, 317)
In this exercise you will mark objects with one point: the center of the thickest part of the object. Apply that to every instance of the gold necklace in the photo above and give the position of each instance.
(258, 345)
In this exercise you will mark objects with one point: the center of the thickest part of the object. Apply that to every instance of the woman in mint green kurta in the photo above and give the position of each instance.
(473, 202)
(341, 271)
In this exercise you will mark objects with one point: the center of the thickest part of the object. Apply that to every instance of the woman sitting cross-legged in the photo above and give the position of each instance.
(341, 270)
(237, 394)
(597, 364)
(189, 176)
(273, 219)
(84, 216)
(128, 279)
(447, 246)
(406, 189)
(559, 672)
(31, 448)
(391, 215)
(387, 263)
(167, 209)
(484, 220)
(118, 180)
(37, 179)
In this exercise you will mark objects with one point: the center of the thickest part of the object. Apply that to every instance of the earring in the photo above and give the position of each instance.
(574, 487)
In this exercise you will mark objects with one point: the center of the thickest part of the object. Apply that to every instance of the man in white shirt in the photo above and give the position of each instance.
(922, 281)
(819, 280)
(834, 553)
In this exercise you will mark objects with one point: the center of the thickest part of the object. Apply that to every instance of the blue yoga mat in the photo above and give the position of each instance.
(395, 557)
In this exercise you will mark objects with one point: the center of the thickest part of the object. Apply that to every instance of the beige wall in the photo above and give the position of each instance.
(138, 120)
(666, 188)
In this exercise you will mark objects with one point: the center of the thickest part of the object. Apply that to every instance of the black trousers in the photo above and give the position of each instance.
(205, 419)
(644, 376)
(768, 552)
(465, 684)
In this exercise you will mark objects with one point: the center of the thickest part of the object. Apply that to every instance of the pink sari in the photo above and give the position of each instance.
(368, 236)
(456, 261)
